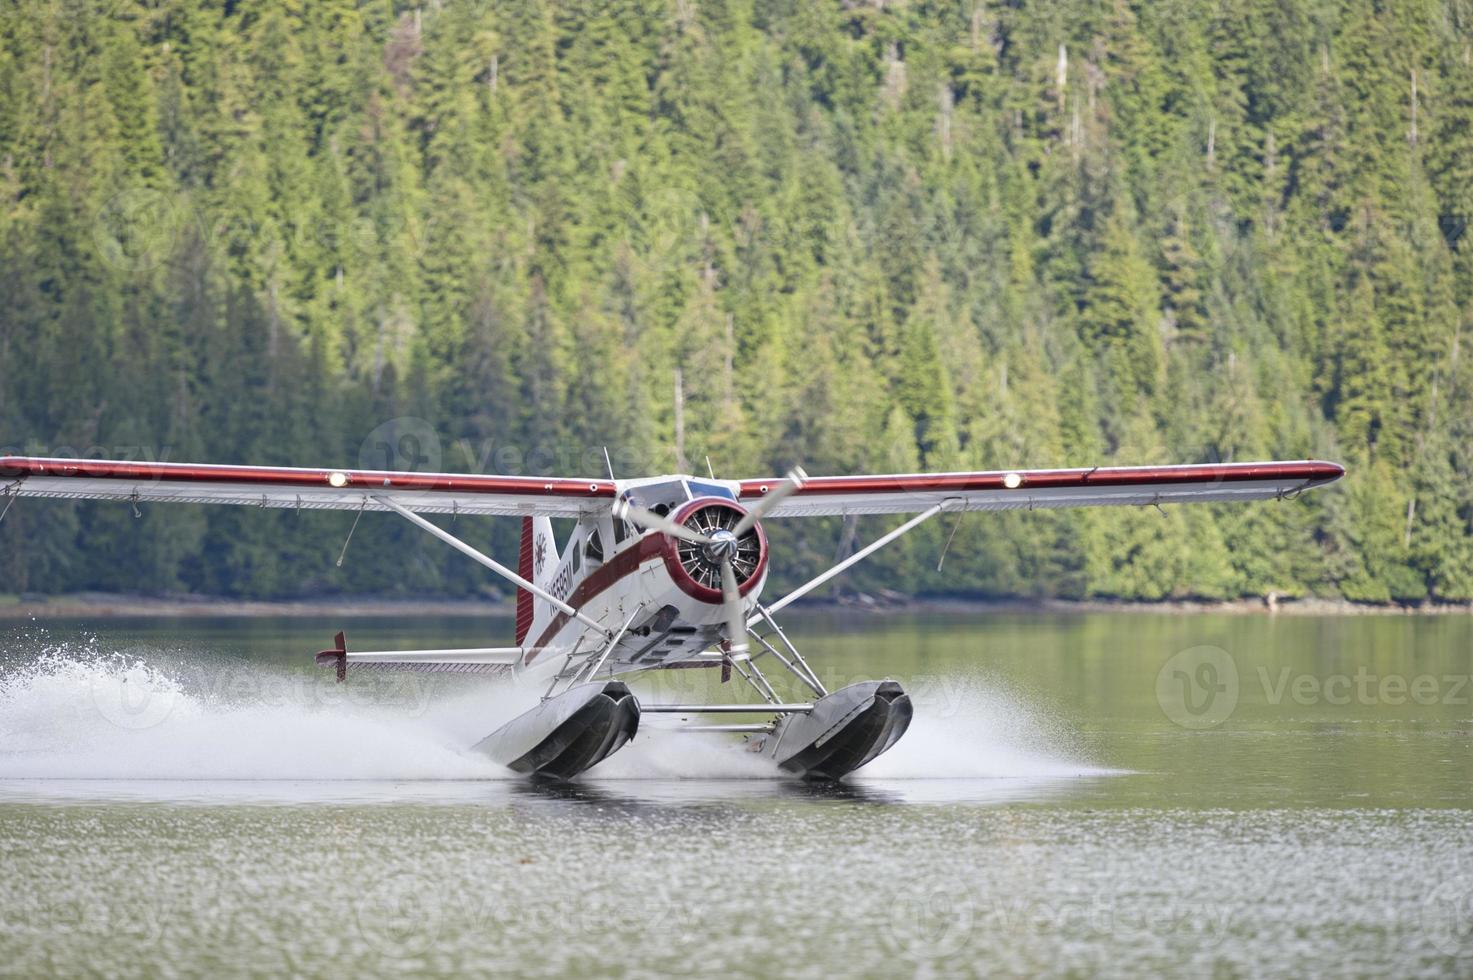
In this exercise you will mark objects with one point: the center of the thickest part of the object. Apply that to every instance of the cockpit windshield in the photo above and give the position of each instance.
(700, 489)
(661, 498)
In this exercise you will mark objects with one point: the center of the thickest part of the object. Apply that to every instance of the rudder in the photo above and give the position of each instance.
(536, 560)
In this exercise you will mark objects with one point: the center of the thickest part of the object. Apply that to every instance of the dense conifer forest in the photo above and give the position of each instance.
(870, 235)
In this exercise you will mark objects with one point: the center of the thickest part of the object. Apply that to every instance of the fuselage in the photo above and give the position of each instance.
(616, 573)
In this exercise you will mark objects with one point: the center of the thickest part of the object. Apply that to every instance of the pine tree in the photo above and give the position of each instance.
(873, 237)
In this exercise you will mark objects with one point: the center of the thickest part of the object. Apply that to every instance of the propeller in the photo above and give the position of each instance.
(721, 546)
(791, 483)
(648, 518)
(736, 618)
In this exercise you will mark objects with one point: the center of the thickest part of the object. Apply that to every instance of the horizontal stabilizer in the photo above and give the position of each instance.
(469, 655)
(465, 660)
(433, 667)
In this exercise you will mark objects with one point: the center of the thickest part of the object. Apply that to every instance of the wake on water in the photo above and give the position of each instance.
(81, 712)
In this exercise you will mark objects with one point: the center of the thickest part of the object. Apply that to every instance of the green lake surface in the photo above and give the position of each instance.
(1124, 794)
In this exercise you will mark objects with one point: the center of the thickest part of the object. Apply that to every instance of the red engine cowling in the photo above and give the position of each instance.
(695, 572)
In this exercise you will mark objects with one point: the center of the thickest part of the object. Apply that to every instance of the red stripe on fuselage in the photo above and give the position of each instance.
(620, 566)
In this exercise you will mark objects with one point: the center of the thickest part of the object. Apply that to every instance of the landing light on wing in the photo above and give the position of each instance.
(1013, 481)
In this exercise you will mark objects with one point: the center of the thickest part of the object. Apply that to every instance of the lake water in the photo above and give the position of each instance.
(1092, 794)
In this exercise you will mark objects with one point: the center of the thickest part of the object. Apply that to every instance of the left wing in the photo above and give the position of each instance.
(308, 489)
(1029, 489)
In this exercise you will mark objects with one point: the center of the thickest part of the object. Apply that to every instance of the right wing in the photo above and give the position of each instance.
(901, 493)
(307, 489)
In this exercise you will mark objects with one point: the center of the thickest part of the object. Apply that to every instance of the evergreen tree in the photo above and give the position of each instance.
(870, 236)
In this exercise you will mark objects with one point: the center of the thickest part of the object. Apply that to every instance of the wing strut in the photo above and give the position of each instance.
(490, 563)
(11, 492)
(860, 555)
(613, 642)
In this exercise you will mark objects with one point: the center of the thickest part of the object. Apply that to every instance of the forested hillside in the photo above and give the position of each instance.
(865, 236)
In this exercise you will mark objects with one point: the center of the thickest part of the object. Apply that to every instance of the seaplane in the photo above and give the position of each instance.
(658, 573)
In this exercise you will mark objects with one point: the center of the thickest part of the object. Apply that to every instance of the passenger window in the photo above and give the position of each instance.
(577, 560)
(595, 548)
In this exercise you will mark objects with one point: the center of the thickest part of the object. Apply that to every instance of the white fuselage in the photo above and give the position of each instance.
(616, 575)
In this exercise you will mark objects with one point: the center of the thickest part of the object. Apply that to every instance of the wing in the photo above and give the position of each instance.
(308, 489)
(1029, 489)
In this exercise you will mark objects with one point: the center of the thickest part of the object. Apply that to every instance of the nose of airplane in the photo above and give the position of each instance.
(722, 546)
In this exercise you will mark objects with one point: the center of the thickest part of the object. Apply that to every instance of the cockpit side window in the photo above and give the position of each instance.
(594, 549)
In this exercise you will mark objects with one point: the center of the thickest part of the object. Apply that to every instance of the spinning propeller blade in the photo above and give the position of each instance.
(665, 525)
(736, 619)
(775, 496)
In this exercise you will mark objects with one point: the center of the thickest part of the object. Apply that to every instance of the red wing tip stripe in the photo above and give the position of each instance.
(12, 467)
(1314, 471)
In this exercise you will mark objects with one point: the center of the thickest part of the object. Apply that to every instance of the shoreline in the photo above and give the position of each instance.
(124, 606)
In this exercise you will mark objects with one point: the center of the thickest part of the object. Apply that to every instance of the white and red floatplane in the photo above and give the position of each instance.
(659, 573)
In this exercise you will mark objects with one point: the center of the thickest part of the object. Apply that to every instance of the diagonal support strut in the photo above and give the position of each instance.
(490, 563)
(858, 556)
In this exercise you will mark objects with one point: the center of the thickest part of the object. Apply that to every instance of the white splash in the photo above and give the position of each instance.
(973, 727)
(89, 714)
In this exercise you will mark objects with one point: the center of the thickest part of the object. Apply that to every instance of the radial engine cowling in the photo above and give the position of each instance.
(696, 568)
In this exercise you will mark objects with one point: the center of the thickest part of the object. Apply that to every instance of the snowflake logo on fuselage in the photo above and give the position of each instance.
(539, 555)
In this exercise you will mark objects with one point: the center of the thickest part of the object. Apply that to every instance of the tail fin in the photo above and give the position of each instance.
(536, 562)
